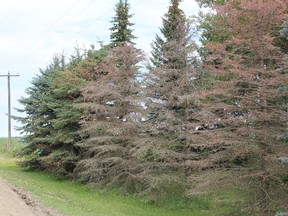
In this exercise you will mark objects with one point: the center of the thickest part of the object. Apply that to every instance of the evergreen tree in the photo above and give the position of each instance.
(174, 62)
(111, 119)
(121, 31)
(38, 122)
(65, 88)
(175, 30)
(245, 108)
(170, 100)
(52, 122)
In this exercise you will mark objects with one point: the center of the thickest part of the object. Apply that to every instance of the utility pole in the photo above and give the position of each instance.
(9, 109)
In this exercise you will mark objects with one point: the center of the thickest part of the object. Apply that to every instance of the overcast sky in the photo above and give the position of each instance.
(32, 31)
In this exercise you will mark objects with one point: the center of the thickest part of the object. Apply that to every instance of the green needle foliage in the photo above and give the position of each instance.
(121, 31)
(38, 122)
(175, 29)
(52, 122)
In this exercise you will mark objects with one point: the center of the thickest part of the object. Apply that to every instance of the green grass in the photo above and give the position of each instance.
(8, 157)
(71, 198)
(16, 144)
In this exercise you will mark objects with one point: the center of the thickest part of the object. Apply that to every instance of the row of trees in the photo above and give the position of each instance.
(218, 109)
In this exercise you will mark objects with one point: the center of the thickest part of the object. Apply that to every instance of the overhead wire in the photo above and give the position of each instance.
(30, 48)
(70, 21)
(96, 19)
(27, 54)
(45, 32)
(58, 20)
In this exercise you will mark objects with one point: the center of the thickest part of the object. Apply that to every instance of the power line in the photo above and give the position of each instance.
(47, 30)
(98, 18)
(69, 22)
(57, 21)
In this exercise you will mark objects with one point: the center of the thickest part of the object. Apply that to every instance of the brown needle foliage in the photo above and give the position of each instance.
(247, 106)
(112, 114)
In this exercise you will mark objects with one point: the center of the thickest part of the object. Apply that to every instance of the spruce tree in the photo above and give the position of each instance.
(52, 122)
(175, 30)
(173, 61)
(37, 123)
(170, 100)
(111, 119)
(245, 108)
(121, 31)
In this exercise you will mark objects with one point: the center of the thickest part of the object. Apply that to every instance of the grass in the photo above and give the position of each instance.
(16, 144)
(73, 199)
(8, 157)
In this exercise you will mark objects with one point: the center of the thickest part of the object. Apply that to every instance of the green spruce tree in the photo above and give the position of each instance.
(175, 30)
(121, 31)
(51, 122)
(37, 124)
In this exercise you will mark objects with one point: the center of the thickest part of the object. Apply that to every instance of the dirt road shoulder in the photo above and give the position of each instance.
(15, 201)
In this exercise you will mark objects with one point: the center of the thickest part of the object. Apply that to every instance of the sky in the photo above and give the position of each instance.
(32, 31)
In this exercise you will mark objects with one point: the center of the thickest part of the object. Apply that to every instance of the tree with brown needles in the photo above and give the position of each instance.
(170, 96)
(112, 114)
(246, 108)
